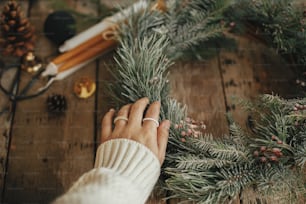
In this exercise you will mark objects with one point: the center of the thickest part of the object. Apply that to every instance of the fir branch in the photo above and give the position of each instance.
(300, 155)
(280, 184)
(190, 39)
(191, 185)
(235, 178)
(141, 70)
(196, 163)
(202, 144)
(226, 151)
(280, 23)
(237, 135)
(193, 24)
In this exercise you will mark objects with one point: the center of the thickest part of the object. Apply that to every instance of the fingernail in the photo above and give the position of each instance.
(111, 110)
(145, 98)
(166, 124)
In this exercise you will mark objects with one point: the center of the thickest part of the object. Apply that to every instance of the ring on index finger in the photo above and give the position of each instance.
(151, 119)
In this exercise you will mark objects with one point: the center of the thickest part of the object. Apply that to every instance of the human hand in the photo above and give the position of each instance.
(145, 132)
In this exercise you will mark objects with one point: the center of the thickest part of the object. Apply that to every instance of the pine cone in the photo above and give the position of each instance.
(56, 103)
(17, 32)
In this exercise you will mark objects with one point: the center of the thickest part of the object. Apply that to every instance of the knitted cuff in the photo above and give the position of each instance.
(131, 160)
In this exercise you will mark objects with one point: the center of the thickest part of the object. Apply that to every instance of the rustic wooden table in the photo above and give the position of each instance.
(41, 155)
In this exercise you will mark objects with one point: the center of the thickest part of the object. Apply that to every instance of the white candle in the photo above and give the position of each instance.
(103, 25)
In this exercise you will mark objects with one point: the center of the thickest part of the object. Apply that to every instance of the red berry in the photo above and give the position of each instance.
(273, 137)
(263, 148)
(277, 152)
(273, 158)
(279, 142)
(263, 159)
(256, 153)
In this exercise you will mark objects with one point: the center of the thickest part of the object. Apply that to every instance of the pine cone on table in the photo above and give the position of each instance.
(56, 103)
(17, 32)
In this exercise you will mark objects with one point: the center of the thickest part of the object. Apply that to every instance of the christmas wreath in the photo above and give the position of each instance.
(262, 164)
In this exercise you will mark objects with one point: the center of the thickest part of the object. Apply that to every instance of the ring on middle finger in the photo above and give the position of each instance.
(120, 118)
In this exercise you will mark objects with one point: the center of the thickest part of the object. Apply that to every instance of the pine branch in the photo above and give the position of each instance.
(226, 151)
(280, 23)
(193, 24)
(141, 70)
(191, 185)
(280, 185)
(196, 163)
(237, 135)
(202, 144)
(234, 179)
(300, 155)
(185, 41)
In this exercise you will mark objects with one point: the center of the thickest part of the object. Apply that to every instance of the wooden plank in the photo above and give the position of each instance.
(199, 86)
(251, 70)
(6, 106)
(5, 124)
(272, 73)
(48, 153)
(238, 77)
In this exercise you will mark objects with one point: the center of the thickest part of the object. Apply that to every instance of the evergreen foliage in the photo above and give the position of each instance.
(280, 24)
(189, 24)
(269, 158)
(263, 164)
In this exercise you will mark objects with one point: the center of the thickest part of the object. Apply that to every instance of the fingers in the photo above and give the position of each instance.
(153, 112)
(107, 121)
(145, 132)
(120, 124)
(162, 139)
(136, 114)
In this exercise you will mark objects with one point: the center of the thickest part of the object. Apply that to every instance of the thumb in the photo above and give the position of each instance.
(162, 139)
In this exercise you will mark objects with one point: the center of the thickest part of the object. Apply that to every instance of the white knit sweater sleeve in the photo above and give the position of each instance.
(125, 172)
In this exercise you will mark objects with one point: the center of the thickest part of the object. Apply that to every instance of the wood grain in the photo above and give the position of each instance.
(199, 86)
(5, 124)
(250, 70)
(7, 106)
(48, 152)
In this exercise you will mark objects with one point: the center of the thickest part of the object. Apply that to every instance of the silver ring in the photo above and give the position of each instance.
(120, 118)
(151, 119)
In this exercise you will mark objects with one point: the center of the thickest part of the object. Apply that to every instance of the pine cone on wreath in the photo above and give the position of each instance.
(56, 103)
(17, 32)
